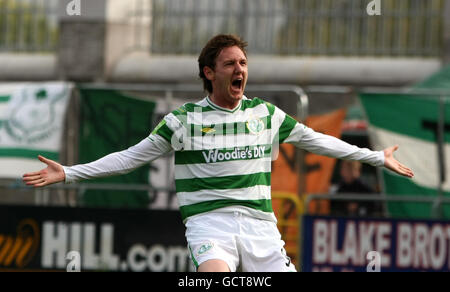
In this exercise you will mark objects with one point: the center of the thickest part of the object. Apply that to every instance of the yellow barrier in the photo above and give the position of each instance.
(289, 208)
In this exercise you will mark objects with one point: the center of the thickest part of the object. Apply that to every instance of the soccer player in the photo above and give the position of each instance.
(223, 150)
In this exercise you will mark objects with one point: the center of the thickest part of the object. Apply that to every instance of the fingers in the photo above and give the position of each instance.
(41, 184)
(37, 182)
(31, 174)
(31, 178)
(403, 170)
(35, 179)
(43, 159)
(394, 165)
(407, 173)
(406, 169)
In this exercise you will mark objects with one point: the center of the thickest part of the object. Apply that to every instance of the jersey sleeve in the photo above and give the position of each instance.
(162, 140)
(173, 129)
(121, 162)
(292, 132)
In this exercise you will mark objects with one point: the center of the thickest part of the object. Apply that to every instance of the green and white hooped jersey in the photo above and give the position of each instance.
(223, 157)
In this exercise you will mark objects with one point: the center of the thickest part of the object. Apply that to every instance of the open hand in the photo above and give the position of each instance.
(391, 163)
(54, 173)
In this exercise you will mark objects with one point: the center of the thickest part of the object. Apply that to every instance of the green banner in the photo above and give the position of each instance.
(31, 123)
(411, 122)
(111, 121)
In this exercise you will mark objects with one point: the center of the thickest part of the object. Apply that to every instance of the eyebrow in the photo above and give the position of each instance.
(234, 60)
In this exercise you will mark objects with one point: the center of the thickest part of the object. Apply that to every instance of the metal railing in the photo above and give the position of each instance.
(301, 27)
(301, 98)
(28, 25)
(287, 27)
(376, 198)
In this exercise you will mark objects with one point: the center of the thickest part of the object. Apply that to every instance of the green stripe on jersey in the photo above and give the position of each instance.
(191, 107)
(286, 128)
(4, 98)
(223, 183)
(271, 108)
(164, 131)
(223, 155)
(194, 209)
(251, 103)
(162, 123)
(227, 129)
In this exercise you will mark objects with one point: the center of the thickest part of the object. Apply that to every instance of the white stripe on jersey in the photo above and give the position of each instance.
(251, 193)
(219, 169)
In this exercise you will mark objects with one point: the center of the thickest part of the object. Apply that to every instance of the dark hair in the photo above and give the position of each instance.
(212, 50)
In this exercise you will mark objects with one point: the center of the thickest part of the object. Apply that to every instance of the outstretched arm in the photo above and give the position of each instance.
(116, 163)
(290, 131)
(321, 144)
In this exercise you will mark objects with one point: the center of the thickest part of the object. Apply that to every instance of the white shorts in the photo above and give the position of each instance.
(243, 242)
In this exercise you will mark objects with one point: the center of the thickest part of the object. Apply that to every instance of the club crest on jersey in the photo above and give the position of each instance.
(255, 125)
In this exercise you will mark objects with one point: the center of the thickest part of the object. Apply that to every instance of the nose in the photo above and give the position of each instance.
(238, 68)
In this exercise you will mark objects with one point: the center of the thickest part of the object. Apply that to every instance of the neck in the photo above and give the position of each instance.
(222, 102)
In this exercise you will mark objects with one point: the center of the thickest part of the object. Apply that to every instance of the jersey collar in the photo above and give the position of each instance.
(214, 106)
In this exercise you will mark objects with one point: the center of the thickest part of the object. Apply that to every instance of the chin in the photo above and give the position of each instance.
(236, 96)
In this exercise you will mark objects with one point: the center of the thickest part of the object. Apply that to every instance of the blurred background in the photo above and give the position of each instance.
(81, 79)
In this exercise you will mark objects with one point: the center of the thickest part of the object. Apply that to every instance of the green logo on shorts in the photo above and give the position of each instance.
(204, 248)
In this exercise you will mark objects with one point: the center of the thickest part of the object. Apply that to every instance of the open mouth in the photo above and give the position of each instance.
(236, 84)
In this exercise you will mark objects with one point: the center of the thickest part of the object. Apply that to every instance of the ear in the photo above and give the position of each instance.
(209, 73)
